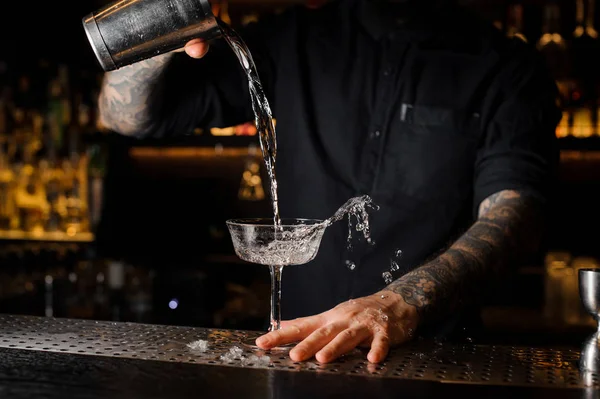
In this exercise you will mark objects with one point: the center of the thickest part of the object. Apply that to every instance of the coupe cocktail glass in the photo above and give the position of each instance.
(260, 241)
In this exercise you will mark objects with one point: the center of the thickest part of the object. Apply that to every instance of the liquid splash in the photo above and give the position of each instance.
(357, 210)
(299, 244)
(388, 278)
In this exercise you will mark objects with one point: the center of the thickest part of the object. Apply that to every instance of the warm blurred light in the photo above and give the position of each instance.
(548, 38)
(244, 129)
(227, 131)
(582, 123)
(72, 231)
(562, 130)
(251, 188)
(189, 152)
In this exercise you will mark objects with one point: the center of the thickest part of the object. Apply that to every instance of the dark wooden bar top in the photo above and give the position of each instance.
(53, 358)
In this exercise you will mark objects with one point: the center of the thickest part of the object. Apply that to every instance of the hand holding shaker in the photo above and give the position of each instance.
(128, 31)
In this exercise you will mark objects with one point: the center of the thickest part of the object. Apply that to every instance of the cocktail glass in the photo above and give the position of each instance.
(260, 241)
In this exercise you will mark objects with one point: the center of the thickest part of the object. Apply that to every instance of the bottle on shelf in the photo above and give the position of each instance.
(7, 178)
(514, 22)
(554, 48)
(585, 48)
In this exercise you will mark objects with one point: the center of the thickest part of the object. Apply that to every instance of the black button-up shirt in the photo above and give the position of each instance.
(429, 118)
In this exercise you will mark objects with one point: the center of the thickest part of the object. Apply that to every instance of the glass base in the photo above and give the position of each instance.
(250, 343)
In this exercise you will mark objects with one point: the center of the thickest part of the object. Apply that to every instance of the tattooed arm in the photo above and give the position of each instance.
(125, 94)
(129, 96)
(507, 229)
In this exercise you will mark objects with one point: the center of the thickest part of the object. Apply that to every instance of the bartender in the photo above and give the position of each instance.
(447, 124)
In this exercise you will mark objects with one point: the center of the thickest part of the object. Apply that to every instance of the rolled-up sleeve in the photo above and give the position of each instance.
(518, 149)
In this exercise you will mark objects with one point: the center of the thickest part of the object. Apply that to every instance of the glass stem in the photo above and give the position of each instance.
(276, 297)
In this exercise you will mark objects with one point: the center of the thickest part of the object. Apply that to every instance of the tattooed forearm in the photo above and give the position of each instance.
(507, 228)
(124, 101)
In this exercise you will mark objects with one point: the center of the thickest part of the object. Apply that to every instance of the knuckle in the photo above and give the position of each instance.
(276, 334)
(326, 330)
(384, 339)
(350, 333)
(295, 329)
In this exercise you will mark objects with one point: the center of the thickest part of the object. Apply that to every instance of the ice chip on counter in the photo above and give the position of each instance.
(198, 346)
(256, 361)
(234, 353)
(237, 354)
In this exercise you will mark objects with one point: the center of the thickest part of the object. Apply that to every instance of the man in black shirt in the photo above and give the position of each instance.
(448, 126)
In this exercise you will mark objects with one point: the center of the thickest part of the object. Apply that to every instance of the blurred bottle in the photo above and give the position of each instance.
(7, 177)
(116, 288)
(514, 22)
(555, 50)
(30, 198)
(585, 53)
(101, 298)
(251, 187)
(96, 172)
(557, 271)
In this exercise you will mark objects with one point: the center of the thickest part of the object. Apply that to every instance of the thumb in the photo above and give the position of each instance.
(196, 48)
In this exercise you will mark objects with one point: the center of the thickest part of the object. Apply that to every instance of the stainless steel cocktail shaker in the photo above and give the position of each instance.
(128, 31)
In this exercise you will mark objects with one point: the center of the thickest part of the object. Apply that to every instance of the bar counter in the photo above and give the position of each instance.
(63, 358)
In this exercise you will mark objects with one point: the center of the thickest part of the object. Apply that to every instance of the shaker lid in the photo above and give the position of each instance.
(97, 43)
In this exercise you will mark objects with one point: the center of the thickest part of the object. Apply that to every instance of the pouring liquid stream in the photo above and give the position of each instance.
(356, 207)
(262, 112)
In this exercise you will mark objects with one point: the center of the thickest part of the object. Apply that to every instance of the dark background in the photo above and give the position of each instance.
(164, 217)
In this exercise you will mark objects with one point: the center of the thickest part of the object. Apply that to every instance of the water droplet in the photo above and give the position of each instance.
(384, 297)
(394, 267)
(350, 265)
(388, 278)
(399, 254)
(411, 332)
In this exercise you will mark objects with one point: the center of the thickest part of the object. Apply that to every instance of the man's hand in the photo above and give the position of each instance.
(378, 322)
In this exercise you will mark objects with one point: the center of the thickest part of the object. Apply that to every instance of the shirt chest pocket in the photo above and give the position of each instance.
(432, 152)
